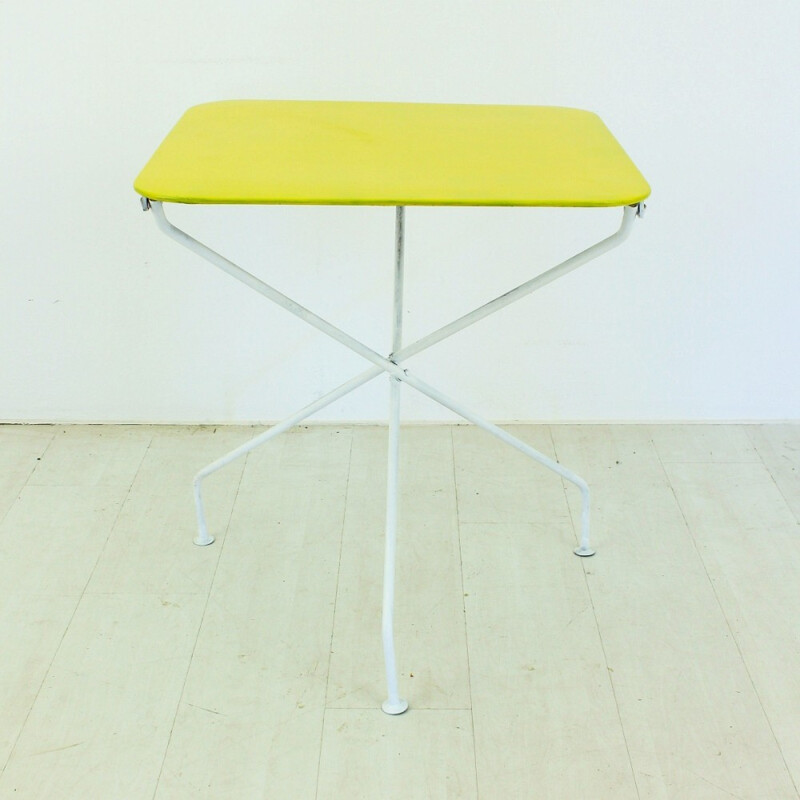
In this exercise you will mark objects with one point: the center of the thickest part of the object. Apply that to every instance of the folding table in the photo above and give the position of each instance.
(392, 154)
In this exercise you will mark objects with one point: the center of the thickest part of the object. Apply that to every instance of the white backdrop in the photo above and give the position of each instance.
(696, 317)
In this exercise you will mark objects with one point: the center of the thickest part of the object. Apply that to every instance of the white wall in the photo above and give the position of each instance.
(696, 317)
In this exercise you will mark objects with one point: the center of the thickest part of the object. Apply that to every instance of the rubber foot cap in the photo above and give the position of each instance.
(203, 542)
(394, 708)
(583, 552)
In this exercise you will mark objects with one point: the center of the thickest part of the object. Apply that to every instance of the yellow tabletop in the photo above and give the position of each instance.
(263, 151)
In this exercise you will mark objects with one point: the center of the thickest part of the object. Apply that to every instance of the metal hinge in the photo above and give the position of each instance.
(145, 203)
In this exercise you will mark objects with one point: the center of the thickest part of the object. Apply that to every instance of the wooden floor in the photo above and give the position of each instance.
(136, 665)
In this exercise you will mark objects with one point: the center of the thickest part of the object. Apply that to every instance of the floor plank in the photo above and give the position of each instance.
(135, 664)
(779, 448)
(93, 455)
(100, 723)
(251, 715)
(31, 629)
(52, 537)
(694, 724)
(422, 754)
(748, 540)
(150, 549)
(499, 484)
(703, 443)
(21, 448)
(544, 709)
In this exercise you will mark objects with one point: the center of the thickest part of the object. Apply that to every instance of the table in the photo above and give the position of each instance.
(392, 154)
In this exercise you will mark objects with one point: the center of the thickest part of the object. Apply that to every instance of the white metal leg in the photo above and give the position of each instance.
(382, 364)
(393, 704)
(203, 537)
(397, 375)
(565, 267)
(459, 408)
(407, 352)
(391, 366)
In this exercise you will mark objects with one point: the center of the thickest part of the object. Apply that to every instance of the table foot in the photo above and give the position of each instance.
(394, 708)
(202, 541)
(584, 552)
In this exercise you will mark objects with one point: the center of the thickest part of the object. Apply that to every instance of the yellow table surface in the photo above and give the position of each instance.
(311, 152)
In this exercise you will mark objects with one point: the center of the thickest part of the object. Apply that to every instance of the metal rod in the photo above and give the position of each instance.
(203, 537)
(393, 704)
(459, 408)
(264, 289)
(397, 310)
(382, 364)
(552, 274)
(538, 282)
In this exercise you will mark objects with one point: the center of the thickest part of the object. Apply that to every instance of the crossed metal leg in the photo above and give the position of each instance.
(392, 365)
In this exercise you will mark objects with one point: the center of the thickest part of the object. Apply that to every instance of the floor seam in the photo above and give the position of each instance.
(28, 477)
(725, 616)
(464, 611)
(773, 479)
(200, 627)
(597, 627)
(333, 614)
(78, 600)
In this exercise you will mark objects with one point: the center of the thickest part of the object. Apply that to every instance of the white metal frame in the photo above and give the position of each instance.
(392, 365)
